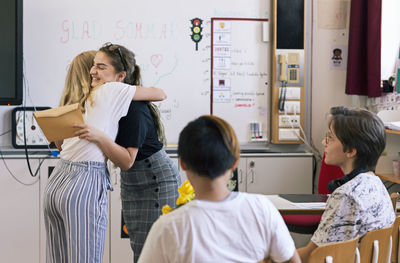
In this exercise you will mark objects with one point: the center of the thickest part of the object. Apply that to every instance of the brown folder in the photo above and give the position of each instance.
(56, 123)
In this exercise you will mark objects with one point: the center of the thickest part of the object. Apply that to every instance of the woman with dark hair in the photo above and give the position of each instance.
(149, 178)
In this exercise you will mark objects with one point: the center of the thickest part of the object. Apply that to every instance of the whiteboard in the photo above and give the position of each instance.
(241, 75)
(157, 31)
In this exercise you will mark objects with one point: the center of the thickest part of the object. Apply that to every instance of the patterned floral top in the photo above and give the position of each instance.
(358, 206)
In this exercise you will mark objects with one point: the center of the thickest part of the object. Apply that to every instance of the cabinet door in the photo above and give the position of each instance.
(241, 174)
(279, 175)
(19, 206)
(118, 247)
(45, 171)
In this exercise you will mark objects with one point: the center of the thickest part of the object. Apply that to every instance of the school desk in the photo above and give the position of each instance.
(390, 178)
(286, 207)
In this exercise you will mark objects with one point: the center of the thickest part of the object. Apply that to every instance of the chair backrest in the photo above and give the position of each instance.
(343, 252)
(327, 173)
(395, 241)
(366, 246)
(394, 196)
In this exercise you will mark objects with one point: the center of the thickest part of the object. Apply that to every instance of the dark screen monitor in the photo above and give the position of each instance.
(11, 52)
(290, 24)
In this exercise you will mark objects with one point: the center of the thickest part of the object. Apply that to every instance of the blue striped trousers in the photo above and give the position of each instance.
(75, 212)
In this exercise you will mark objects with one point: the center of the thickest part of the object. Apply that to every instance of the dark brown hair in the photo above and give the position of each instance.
(361, 130)
(208, 146)
(122, 59)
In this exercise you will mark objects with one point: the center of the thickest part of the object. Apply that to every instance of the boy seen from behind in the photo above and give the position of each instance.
(219, 225)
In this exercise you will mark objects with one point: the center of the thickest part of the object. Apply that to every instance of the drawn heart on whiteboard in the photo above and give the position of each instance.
(156, 59)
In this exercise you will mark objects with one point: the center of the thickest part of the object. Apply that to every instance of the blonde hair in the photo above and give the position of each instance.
(77, 87)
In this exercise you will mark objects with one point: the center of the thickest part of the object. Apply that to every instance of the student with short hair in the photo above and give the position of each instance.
(359, 202)
(219, 225)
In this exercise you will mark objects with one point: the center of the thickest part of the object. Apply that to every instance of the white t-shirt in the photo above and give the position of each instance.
(110, 103)
(247, 228)
(355, 208)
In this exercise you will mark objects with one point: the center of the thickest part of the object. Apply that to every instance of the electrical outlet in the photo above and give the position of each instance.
(292, 107)
(295, 121)
(289, 134)
(289, 121)
(292, 93)
(284, 121)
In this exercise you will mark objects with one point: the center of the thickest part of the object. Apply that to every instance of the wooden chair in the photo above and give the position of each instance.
(343, 252)
(394, 197)
(376, 246)
(395, 241)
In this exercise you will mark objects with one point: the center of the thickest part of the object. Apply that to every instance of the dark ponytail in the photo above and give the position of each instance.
(155, 113)
(135, 78)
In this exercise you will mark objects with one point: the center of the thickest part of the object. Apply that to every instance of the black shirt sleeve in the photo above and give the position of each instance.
(132, 128)
(137, 130)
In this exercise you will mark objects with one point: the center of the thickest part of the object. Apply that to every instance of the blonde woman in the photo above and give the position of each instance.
(75, 201)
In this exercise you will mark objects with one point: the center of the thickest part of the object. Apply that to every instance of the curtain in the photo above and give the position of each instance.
(364, 57)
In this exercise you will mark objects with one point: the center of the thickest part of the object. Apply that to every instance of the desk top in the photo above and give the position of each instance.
(392, 131)
(286, 207)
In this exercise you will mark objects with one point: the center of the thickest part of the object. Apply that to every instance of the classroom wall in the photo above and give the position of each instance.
(328, 85)
(159, 33)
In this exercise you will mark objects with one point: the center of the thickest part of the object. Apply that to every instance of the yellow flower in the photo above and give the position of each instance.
(166, 209)
(186, 188)
(183, 199)
(186, 194)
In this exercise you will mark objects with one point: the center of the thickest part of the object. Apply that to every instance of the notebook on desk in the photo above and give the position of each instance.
(305, 198)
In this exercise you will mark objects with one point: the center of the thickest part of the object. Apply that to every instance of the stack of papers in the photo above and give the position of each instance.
(394, 125)
(313, 205)
(307, 201)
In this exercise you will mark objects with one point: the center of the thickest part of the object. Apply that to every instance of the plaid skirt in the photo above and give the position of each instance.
(145, 188)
